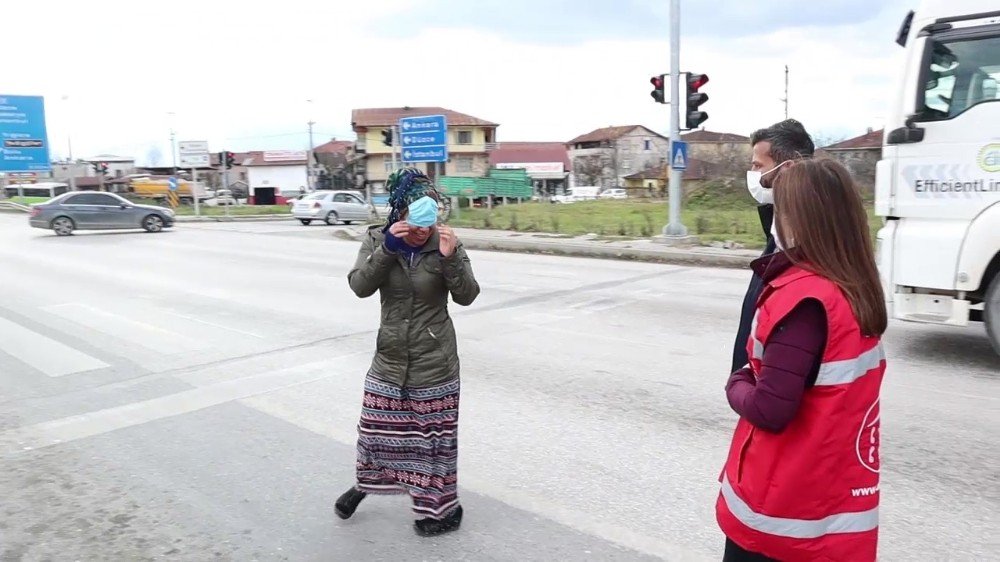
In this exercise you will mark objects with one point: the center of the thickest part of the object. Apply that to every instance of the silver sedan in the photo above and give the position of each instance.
(82, 210)
(331, 207)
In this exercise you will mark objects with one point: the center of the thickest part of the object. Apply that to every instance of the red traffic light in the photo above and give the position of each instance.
(696, 81)
(657, 82)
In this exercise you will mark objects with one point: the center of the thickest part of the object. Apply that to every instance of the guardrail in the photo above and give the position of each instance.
(12, 206)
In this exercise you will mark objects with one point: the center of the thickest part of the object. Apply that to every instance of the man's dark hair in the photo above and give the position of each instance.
(789, 140)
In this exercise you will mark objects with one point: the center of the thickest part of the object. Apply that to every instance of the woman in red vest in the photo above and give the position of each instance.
(801, 481)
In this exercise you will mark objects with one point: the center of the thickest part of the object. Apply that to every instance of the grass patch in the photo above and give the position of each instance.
(716, 213)
(29, 200)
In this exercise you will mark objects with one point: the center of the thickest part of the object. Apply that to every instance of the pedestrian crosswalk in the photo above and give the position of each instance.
(71, 338)
(44, 353)
(145, 333)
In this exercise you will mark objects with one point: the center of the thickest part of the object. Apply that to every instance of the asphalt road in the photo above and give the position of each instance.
(193, 395)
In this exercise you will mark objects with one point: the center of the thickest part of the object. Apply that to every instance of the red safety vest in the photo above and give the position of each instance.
(810, 492)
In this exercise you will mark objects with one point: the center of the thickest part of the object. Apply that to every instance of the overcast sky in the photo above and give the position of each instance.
(239, 74)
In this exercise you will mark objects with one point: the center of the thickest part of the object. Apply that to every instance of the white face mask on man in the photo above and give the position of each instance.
(774, 234)
(762, 194)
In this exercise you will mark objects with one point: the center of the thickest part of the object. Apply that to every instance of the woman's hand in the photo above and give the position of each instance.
(448, 240)
(400, 229)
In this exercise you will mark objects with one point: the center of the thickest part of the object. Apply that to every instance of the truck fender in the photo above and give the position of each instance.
(980, 246)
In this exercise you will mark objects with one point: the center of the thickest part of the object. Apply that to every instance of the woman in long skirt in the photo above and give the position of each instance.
(408, 432)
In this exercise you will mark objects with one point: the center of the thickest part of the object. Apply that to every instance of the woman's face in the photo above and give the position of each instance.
(418, 235)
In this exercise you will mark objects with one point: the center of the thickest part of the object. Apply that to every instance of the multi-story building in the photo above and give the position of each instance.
(606, 156)
(470, 140)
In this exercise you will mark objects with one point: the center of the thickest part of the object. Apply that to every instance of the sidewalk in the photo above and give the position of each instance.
(589, 247)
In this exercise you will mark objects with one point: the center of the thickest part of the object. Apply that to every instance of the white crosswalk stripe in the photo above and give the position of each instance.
(45, 354)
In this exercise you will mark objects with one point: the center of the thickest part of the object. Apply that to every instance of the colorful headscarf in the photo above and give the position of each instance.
(405, 186)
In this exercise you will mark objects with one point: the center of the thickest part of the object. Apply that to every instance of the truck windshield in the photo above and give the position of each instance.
(961, 72)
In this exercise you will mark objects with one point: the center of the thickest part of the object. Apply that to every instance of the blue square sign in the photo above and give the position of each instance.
(678, 155)
(24, 144)
(423, 139)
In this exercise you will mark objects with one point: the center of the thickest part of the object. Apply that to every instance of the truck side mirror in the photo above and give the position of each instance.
(907, 134)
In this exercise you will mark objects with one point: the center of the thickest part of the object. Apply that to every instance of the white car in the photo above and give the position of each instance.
(614, 194)
(331, 207)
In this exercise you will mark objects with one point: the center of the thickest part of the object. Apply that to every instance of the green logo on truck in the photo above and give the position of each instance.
(989, 157)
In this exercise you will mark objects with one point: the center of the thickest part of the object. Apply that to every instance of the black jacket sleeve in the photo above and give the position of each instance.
(740, 358)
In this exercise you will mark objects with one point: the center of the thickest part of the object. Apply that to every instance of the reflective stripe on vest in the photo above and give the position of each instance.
(852, 522)
(842, 371)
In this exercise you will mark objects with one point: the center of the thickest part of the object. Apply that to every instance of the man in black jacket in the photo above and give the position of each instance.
(772, 147)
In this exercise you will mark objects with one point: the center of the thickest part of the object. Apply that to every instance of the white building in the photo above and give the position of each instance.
(276, 176)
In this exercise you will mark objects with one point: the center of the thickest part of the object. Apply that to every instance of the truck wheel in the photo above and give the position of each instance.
(991, 314)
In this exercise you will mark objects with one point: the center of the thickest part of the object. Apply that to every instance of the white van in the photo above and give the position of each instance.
(578, 193)
(938, 183)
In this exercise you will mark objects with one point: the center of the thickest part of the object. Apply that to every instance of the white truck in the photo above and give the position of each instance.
(938, 182)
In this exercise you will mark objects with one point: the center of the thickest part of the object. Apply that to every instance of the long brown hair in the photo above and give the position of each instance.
(821, 220)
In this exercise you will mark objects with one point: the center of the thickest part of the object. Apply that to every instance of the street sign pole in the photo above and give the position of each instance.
(194, 191)
(395, 144)
(674, 228)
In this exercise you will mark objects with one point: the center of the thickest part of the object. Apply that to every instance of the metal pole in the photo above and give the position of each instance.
(194, 191)
(786, 91)
(225, 185)
(395, 143)
(674, 227)
(173, 143)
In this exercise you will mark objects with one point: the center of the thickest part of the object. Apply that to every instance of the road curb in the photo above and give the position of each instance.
(669, 256)
(243, 218)
(598, 250)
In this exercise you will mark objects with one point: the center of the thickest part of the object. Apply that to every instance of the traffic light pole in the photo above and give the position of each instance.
(674, 228)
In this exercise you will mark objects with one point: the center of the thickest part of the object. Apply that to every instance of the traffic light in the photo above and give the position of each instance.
(387, 137)
(693, 117)
(230, 159)
(96, 166)
(658, 84)
(103, 167)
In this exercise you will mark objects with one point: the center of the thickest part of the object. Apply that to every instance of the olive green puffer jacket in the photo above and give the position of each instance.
(416, 339)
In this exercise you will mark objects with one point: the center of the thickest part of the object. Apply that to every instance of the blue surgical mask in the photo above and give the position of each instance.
(423, 212)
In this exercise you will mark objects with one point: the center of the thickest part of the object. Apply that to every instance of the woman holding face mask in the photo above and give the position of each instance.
(408, 432)
(801, 481)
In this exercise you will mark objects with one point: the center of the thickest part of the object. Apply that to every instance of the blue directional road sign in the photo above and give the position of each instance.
(678, 155)
(25, 145)
(172, 184)
(424, 139)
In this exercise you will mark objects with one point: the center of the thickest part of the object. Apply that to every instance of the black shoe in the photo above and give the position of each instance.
(348, 503)
(429, 527)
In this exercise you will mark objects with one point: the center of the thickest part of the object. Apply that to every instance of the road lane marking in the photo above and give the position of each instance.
(214, 325)
(49, 356)
(481, 483)
(133, 331)
(72, 428)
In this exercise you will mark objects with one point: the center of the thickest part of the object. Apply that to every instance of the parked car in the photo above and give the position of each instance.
(97, 211)
(331, 207)
(614, 194)
(578, 193)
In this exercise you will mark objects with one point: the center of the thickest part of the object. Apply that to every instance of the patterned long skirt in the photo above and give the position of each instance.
(408, 443)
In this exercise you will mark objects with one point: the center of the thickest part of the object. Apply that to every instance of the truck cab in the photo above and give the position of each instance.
(938, 182)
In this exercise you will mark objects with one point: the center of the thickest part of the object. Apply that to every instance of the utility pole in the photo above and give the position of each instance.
(69, 144)
(173, 143)
(310, 164)
(785, 99)
(674, 228)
